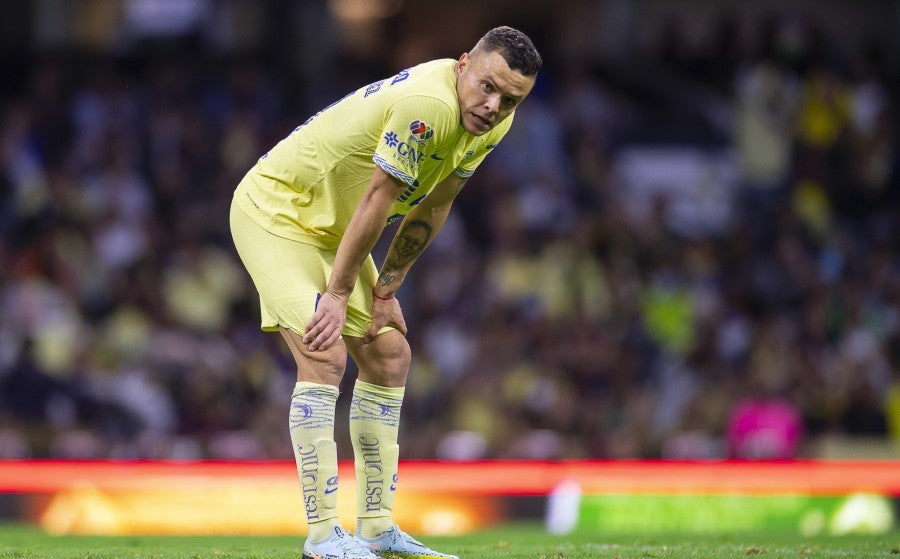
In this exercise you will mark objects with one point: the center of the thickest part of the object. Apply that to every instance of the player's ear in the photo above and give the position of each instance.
(462, 64)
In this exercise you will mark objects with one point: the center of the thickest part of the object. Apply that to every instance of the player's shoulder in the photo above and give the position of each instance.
(434, 79)
(426, 93)
(440, 67)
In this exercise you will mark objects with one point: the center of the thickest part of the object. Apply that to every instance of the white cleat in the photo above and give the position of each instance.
(397, 544)
(339, 545)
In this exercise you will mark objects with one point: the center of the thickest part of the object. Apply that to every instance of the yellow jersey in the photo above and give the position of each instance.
(307, 187)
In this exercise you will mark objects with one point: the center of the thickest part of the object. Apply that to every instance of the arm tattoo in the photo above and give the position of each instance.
(387, 279)
(409, 244)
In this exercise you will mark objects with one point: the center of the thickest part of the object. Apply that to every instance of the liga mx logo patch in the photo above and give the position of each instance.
(420, 131)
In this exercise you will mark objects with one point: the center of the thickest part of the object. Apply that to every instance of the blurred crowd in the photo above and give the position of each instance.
(685, 256)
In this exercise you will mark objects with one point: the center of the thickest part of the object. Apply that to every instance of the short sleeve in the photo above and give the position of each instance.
(473, 159)
(411, 125)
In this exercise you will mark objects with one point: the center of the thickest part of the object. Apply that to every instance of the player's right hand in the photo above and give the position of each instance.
(326, 324)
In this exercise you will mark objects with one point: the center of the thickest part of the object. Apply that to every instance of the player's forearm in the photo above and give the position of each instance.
(416, 232)
(362, 233)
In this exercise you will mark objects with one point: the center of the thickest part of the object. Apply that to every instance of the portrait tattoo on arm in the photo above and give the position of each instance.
(409, 244)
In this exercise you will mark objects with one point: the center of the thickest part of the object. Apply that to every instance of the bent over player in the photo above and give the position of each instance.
(305, 219)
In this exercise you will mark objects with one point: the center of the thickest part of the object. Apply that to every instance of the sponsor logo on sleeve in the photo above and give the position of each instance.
(420, 131)
(408, 153)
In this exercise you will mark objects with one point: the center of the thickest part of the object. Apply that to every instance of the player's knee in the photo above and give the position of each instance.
(325, 372)
(393, 358)
(399, 354)
(323, 367)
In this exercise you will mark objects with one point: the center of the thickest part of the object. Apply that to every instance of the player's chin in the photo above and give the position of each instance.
(477, 131)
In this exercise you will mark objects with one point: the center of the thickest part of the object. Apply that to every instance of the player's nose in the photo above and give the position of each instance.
(492, 103)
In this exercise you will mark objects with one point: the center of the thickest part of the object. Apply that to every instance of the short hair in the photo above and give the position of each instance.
(514, 46)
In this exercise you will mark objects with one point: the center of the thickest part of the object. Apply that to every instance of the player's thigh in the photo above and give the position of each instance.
(383, 361)
(288, 275)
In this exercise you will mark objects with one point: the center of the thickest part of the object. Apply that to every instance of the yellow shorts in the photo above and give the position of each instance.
(290, 276)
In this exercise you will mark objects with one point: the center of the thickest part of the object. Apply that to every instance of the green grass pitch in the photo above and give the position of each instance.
(508, 542)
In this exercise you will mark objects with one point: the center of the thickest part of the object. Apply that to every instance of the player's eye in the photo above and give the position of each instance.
(487, 87)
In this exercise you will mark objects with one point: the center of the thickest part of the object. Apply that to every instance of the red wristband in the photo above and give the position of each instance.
(379, 297)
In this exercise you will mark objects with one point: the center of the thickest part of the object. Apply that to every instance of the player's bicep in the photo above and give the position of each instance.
(384, 186)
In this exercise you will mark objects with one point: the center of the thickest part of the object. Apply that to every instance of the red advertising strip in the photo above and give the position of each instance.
(483, 478)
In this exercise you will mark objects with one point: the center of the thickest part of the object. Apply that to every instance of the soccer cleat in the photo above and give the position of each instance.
(339, 545)
(397, 544)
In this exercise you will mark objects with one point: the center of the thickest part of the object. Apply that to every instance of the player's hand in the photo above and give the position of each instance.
(326, 324)
(385, 313)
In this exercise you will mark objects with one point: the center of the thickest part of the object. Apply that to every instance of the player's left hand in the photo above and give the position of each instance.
(385, 313)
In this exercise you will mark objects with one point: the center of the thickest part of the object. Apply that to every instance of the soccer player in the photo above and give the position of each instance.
(304, 221)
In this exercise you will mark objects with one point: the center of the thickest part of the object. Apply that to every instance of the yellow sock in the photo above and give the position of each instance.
(374, 421)
(312, 436)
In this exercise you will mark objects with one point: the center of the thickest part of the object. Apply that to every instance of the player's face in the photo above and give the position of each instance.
(488, 90)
